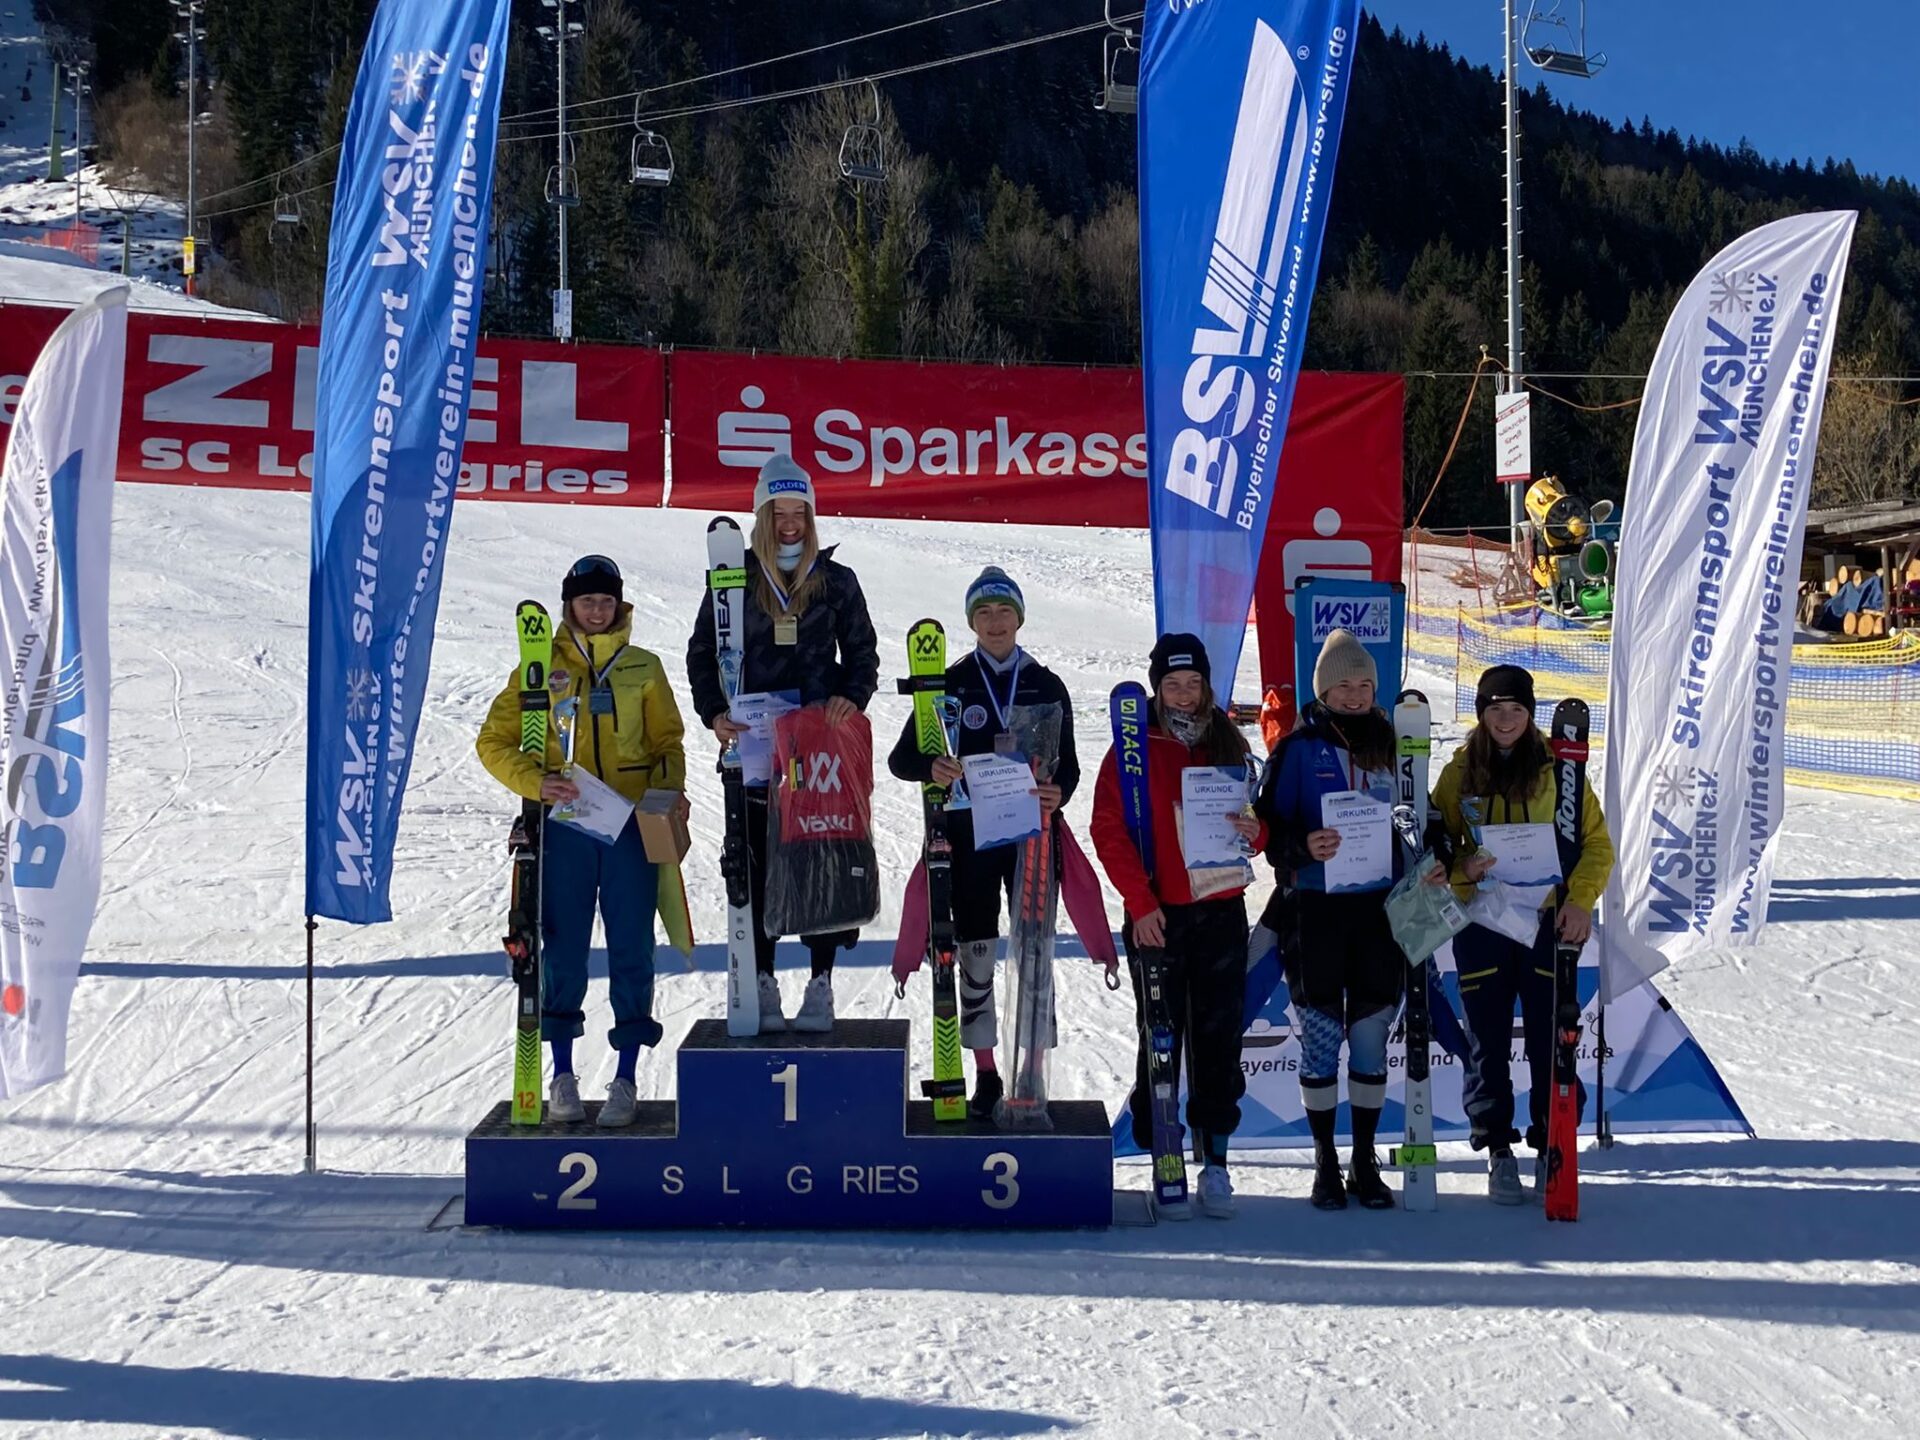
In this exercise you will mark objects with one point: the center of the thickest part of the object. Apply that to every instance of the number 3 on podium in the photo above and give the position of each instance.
(1005, 1169)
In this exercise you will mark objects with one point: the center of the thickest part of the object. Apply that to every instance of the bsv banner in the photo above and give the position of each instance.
(1709, 573)
(56, 521)
(396, 375)
(1241, 103)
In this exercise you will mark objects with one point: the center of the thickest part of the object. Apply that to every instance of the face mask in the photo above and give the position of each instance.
(1189, 730)
(790, 554)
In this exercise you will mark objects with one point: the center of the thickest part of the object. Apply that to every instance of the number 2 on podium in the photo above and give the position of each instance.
(788, 1079)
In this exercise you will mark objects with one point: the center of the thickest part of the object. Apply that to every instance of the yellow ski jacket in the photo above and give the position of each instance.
(1590, 872)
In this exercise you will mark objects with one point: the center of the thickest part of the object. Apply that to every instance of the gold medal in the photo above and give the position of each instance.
(786, 630)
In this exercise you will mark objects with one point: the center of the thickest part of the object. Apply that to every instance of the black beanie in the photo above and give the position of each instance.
(1503, 682)
(1177, 652)
(591, 575)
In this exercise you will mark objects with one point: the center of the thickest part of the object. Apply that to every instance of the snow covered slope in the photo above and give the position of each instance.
(168, 1270)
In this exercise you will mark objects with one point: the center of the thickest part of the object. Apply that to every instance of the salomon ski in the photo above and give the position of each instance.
(927, 684)
(1568, 741)
(1415, 1156)
(1128, 711)
(727, 580)
(535, 632)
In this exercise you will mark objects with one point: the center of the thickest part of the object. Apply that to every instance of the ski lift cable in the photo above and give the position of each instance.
(551, 110)
(801, 91)
(822, 48)
(715, 106)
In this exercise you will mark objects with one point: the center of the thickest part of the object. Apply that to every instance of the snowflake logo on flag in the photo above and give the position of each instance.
(1675, 787)
(1732, 290)
(359, 694)
(411, 71)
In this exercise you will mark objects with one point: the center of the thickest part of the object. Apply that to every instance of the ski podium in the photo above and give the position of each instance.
(792, 1131)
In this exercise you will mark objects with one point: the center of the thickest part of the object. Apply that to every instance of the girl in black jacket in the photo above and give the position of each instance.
(805, 632)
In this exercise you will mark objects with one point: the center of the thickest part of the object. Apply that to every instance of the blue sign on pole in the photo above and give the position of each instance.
(1374, 612)
(1240, 111)
(405, 266)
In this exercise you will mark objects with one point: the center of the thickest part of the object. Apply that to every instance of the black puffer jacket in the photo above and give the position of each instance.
(836, 653)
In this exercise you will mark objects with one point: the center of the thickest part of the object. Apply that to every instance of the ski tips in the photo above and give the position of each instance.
(722, 522)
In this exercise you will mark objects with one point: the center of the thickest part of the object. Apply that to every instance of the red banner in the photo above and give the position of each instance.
(230, 403)
(908, 441)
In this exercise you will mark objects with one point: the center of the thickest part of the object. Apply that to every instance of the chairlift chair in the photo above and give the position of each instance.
(1119, 69)
(286, 209)
(1120, 75)
(863, 149)
(1570, 55)
(652, 159)
(563, 185)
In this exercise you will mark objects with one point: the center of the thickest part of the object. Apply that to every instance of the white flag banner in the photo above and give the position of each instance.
(56, 512)
(1709, 574)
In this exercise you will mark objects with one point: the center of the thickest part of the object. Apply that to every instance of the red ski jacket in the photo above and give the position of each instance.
(1166, 758)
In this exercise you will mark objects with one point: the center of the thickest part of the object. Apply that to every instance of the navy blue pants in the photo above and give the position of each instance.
(576, 871)
(1494, 972)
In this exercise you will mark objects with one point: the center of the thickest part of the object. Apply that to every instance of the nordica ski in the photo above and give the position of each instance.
(1128, 710)
(1568, 742)
(727, 582)
(927, 684)
(535, 631)
(1415, 1156)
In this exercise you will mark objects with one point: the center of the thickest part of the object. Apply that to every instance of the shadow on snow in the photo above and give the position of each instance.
(280, 1406)
(1650, 1205)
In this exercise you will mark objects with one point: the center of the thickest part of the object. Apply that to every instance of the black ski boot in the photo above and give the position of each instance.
(987, 1090)
(1363, 1180)
(1329, 1193)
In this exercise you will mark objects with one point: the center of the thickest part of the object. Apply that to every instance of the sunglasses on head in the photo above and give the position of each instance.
(593, 565)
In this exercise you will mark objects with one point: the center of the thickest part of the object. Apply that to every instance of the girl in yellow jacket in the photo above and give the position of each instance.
(627, 733)
(1503, 775)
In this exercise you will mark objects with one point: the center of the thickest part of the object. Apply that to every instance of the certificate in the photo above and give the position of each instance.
(758, 710)
(1364, 860)
(1004, 809)
(601, 811)
(1529, 857)
(1210, 797)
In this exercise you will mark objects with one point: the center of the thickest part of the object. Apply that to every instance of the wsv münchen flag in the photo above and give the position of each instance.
(56, 518)
(1709, 577)
(406, 265)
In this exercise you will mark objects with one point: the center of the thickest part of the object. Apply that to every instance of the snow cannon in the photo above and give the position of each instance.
(1572, 566)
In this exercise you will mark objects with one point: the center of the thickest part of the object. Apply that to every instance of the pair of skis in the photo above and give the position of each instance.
(1127, 710)
(926, 682)
(1568, 742)
(727, 584)
(534, 630)
(1415, 1157)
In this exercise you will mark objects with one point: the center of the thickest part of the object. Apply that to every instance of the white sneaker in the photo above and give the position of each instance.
(563, 1100)
(1216, 1192)
(816, 1006)
(1503, 1181)
(771, 1020)
(621, 1106)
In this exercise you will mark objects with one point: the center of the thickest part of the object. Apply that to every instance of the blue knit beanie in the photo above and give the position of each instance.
(995, 587)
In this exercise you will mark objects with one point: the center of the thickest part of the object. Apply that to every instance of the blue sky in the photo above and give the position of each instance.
(1799, 80)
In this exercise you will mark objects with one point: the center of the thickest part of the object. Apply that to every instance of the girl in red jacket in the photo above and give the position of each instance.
(1199, 918)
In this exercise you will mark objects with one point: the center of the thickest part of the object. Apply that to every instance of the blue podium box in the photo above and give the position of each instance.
(792, 1131)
